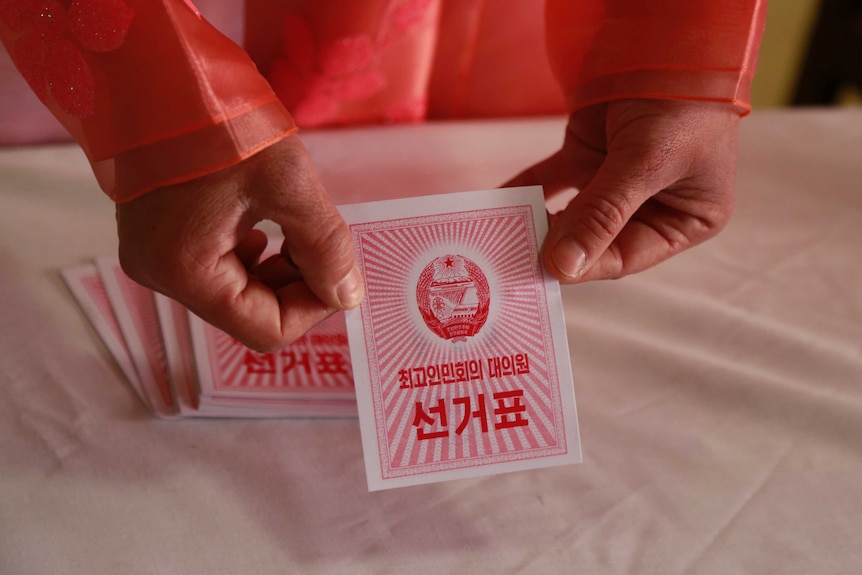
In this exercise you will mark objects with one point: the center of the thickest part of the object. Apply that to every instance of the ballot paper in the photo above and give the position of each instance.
(460, 358)
(89, 291)
(135, 311)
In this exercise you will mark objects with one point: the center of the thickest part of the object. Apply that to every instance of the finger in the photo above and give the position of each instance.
(277, 272)
(250, 311)
(316, 238)
(322, 249)
(553, 174)
(250, 248)
(666, 224)
(596, 216)
(575, 164)
(653, 234)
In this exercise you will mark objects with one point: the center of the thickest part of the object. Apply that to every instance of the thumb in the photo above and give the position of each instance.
(582, 234)
(322, 249)
(316, 238)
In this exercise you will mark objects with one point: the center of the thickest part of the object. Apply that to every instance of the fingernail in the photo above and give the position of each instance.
(350, 290)
(569, 257)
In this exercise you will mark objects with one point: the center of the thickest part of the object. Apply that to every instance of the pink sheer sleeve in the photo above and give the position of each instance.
(605, 50)
(153, 93)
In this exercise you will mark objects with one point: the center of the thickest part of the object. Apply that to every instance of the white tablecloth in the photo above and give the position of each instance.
(720, 395)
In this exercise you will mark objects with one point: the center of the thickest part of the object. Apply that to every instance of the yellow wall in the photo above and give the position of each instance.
(788, 25)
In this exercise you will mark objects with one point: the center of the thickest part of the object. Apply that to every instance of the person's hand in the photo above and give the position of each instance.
(195, 242)
(654, 177)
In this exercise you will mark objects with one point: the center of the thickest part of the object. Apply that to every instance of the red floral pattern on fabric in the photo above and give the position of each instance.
(313, 81)
(405, 17)
(51, 36)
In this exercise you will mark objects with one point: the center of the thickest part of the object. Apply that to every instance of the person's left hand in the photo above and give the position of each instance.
(654, 177)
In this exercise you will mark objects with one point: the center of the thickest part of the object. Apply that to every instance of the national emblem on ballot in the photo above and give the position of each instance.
(453, 297)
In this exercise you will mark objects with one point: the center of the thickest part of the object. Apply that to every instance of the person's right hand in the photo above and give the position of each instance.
(195, 242)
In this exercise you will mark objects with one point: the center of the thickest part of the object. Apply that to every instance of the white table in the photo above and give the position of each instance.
(720, 395)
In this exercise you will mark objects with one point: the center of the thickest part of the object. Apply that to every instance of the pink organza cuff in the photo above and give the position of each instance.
(700, 50)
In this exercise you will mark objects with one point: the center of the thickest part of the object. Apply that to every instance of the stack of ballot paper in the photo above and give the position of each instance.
(181, 366)
(456, 362)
